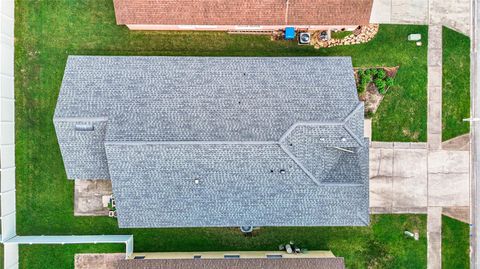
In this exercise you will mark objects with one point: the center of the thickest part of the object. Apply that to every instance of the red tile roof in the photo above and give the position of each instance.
(243, 12)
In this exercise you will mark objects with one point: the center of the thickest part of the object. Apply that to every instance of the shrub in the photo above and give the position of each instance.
(381, 73)
(362, 87)
(374, 71)
(389, 81)
(360, 73)
(380, 83)
(368, 72)
(364, 80)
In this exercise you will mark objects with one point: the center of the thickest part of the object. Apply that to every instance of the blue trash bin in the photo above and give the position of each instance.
(289, 33)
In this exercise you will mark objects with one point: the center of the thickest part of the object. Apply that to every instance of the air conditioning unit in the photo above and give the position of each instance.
(304, 38)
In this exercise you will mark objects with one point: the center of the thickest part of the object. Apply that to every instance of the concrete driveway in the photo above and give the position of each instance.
(407, 178)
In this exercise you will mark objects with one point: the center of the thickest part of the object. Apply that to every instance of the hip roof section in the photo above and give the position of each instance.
(207, 98)
(243, 12)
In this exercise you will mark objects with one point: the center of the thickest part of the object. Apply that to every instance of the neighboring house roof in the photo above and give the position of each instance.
(218, 141)
(243, 12)
(297, 263)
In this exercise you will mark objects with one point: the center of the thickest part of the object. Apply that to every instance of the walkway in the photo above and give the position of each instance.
(434, 237)
(434, 135)
(434, 126)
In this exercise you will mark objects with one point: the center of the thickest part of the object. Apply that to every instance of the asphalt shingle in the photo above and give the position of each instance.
(271, 141)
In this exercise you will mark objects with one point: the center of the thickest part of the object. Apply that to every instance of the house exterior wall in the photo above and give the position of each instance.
(7, 126)
(7, 134)
(253, 28)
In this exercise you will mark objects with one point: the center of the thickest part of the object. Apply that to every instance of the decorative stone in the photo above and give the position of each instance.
(361, 35)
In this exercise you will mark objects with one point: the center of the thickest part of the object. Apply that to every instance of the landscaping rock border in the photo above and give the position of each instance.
(362, 34)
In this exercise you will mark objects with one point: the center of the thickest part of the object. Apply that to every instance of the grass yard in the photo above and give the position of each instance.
(382, 245)
(456, 83)
(48, 31)
(58, 256)
(340, 34)
(455, 244)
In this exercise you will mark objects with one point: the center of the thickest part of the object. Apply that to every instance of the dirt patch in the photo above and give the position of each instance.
(413, 135)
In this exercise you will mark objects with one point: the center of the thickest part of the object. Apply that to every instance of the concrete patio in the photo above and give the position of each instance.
(97, 261)
(88, 197)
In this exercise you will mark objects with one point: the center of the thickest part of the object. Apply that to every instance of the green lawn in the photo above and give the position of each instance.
(341, 34)
(382, 245)
(456, 83)
(455, 244)
(58, 256)
(48, 31)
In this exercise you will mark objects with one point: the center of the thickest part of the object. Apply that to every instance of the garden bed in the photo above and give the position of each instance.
(372, 85)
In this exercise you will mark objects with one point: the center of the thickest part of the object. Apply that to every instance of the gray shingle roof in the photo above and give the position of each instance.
(272, 141)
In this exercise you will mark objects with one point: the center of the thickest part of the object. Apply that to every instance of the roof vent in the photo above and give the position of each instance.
(283, 171)
(344, 139)
(197, 181)
(274, 256)
(84, 127)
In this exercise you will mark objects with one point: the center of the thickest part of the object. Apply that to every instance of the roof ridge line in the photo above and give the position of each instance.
(358, 140)
(299, 164)
(347, 118)
(80, 118)
(191, 142)
(295, 125)
(360, 104)
(362, 219)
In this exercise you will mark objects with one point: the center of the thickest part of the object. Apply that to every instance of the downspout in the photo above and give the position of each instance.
(286, 12)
